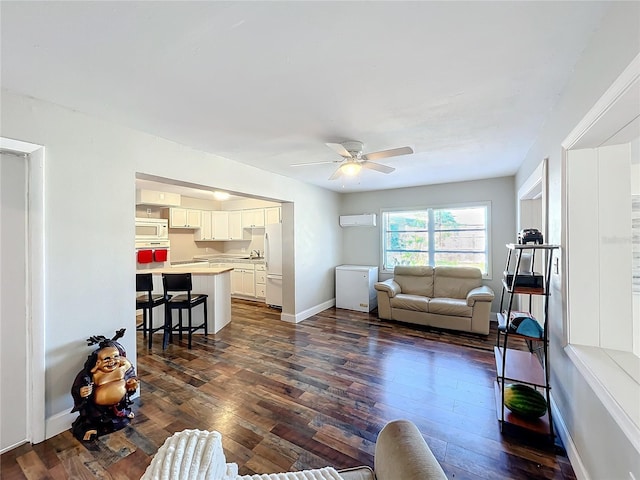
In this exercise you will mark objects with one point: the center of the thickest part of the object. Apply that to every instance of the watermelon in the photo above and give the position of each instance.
(524, 401)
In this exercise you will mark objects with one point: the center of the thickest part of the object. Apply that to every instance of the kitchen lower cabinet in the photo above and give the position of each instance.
(243, 280)
(261, 281)
(248, 283)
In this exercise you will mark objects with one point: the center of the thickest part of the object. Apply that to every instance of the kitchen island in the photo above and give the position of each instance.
(213, 281)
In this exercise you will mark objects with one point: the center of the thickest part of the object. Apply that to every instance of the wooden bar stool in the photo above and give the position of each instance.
(181, 282)
(146, 302)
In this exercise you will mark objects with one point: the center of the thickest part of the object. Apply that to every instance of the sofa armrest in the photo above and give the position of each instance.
(389, 286)
(480, 294)
(402, 453)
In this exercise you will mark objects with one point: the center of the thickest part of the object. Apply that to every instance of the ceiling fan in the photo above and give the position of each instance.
(353, 159)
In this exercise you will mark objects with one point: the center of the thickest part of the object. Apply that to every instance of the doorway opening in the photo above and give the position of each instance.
(23, 218)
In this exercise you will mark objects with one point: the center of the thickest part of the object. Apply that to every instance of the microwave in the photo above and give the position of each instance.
(152, 229)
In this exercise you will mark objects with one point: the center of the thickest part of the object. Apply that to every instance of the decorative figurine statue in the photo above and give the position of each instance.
(102, 389)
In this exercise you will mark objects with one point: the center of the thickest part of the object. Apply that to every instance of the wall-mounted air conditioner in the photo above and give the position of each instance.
(362, 220)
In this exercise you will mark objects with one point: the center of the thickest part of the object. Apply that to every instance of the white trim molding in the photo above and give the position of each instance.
(298, 317)
(36, 301)
(59, 423)
(620, 87)
(572, 452)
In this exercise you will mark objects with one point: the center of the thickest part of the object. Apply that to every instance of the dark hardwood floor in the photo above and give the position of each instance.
(291, 397)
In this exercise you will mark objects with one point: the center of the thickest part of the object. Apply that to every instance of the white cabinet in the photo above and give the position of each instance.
(236, 281)
(243, 279)
(184, 218)
(259, 217)
(152, 197)
(272, 215)
(219, 225)
(204, 233)
(261, 281)
(235, 225)
(253, 218)
(248, 282)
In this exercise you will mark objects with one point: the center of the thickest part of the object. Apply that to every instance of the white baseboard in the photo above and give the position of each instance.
(572, 452)
(15, 445)
(298, 317)
(58, 423)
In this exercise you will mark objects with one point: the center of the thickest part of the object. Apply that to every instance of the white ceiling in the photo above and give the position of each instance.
(467, 85)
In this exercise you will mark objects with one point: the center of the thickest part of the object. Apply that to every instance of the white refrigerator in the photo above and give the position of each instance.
(354, 287)
(273, 263)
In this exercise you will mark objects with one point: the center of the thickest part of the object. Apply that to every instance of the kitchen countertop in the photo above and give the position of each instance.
(188, 269)
(227, 258)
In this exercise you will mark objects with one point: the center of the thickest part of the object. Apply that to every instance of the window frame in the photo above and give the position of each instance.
(488, 275)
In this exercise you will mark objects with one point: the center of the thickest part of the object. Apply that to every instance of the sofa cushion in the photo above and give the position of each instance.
(455, 282)
(414, 280)
(417, 303)
(450, 306)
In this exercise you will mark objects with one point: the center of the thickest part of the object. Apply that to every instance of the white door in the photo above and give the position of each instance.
(14, 396)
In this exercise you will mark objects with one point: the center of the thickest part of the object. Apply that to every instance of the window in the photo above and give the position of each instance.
(455, 236)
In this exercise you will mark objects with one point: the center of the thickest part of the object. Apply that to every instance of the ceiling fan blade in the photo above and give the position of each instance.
(394, 152)
(313, 163)
(339, 149)
(337, 173)
(378, 167)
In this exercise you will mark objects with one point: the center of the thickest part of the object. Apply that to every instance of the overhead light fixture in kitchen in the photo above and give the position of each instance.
(220, 195)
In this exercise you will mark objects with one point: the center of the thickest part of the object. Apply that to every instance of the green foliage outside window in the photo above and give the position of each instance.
(443, 236)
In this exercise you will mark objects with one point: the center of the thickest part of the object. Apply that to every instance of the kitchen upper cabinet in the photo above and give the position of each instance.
(184, 218)
(204, 233)
(261, 280)
(272, 215)
(152, 197)
(253, 218)
(219, 225)
(235, 225)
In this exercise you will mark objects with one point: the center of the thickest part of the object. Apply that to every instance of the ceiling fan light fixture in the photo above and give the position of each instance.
(351, 168)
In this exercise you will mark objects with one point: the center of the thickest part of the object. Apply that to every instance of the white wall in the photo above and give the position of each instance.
(598, 446)
(89, 181)
(361, 245)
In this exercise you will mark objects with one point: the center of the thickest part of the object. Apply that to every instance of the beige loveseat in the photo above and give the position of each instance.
(401, 454)
(443, 297)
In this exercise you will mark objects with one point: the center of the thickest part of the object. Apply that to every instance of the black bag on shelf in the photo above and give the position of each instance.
(525, 279)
